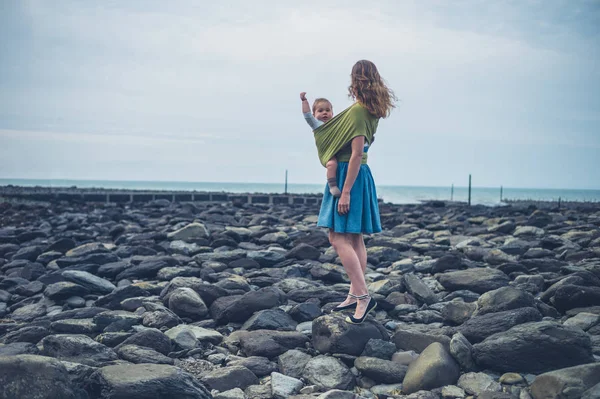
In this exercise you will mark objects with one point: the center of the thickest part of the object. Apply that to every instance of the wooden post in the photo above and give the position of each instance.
(558, 202)
(285, 192)
(500, 193)
(452, 192)
(469, 190)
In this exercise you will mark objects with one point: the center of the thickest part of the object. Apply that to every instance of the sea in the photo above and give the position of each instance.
(395, 194)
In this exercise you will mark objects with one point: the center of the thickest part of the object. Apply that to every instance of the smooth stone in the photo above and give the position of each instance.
(226, 378)
(381, 371)
(201, 334)
(332, 334)
(434, 368)
(477, 383)
(292, 362)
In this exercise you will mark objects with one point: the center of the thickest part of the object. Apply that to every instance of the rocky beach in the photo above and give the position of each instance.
(230, 300)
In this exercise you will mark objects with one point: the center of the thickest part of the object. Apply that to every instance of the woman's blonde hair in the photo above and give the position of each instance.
(367, 86)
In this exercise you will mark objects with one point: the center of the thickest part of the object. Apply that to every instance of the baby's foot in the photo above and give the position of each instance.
(335, 191)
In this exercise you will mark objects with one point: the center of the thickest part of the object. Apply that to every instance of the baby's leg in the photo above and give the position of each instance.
(331, 166)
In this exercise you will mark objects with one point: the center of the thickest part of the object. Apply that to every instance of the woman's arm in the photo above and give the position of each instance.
(358, 144)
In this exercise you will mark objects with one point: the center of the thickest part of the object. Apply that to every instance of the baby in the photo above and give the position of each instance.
(322, 111)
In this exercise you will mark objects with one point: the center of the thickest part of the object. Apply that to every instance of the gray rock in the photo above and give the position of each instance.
(31, 334)
(479, 328)
(29, 313)
(139, 354)
(387, 390)
(339, 394)
(225, 310)
(64, 289)
(235, 393)
(379, 370)
(416, 340)
(185, 302)
(259, 391)
(328, 373)
(93, 283)
(18, 348)
(140, 381)
(74, 326)
(190, 233)
(270, 319)
(201, 334)
(304, 251)
(306, 311)
(31, 376)
(260, 366)
(77, 349)
(477, 383)
(379, 348)
(145, 270)
(269, 343)
(583, 320)
(568, 383)
(505, 298)
(592, 393)
(452, 392)
(150, 338)
(534, 348)
(419, 289)
(478, 280)
(457, 311)
(227, 378)
(462, 351)
(292, 362)
(332, 334)
(575, 296)
(404, 357)
(266, 258)
(434, 368)
(283, 386)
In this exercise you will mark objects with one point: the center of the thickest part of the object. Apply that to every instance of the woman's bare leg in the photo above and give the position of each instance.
(344, 245)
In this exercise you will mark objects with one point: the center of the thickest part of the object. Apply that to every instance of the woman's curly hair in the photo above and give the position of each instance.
(367, 86)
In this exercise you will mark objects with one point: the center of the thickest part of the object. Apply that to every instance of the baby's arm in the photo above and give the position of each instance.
(310, 119)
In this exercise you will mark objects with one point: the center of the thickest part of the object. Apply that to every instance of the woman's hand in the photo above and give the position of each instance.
(344, 203)
(303, 96)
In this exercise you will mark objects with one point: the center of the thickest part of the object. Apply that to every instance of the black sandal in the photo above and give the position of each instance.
(372, 305)
(346, 307)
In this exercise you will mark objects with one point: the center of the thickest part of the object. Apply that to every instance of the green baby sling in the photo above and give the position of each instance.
(337, 133)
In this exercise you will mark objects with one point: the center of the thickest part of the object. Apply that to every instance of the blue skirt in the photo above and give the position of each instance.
(363, 216)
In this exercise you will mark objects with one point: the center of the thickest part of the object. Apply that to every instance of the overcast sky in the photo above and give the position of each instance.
(208, 90)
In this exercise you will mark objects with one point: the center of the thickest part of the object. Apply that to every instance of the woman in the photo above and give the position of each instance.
(356, 211)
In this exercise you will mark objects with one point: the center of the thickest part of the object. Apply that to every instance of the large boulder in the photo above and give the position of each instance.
(78, 349)
(478, 280)
(478, 328)
(567, 383)
(332, 334)
(434, 368)
(141, 381)
(505, 298)
(534, 348)
(32, 376)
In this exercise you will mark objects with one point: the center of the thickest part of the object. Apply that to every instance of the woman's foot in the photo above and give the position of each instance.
(349, 303)
(364, 306)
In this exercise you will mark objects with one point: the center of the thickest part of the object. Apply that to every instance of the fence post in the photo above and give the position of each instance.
(285, 192)
(469, 190)
(452, 193)
(500, 193)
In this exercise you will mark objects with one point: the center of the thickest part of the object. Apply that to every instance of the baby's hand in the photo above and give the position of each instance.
(303, 96)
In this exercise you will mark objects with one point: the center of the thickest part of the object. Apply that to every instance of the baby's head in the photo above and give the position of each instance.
(322, 109)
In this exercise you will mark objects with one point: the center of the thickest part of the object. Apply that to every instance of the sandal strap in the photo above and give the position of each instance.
(365, 296)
